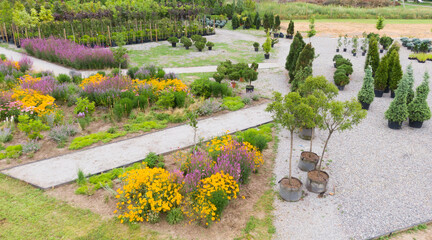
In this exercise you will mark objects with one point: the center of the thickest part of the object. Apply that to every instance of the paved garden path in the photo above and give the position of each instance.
(63, 169)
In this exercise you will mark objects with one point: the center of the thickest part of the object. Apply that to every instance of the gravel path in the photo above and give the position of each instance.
(380, 177)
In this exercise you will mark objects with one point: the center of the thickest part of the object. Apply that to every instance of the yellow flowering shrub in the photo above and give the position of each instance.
(211, 197)
(28, 80)
(93, 80)
(227, 143)
(146, 193)
(159, 85)
(34, 102)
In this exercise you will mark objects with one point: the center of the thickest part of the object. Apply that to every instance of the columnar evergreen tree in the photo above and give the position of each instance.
(248, 22)
(312, 30)
(296, 47)
(372, 57)
(395, 74)
(381, 75)
(268, 21)
(235, 21)
(257, 21)
(366, 93)
(410, 84)
(290, 30)
(380, 23)
(418, 109)
(398, 110)
(277, 22)
(303, 66)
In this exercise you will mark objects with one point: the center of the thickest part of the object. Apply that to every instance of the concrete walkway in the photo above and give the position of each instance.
(63, 169)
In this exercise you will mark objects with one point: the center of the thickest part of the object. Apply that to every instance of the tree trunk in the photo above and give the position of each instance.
(311, 140)
(291, 151)
(325, 146)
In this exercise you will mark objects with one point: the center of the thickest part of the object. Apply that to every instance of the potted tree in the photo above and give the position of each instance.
(276, 26)
(267, 47)
(187, 43)
(341, 79)
(398, 110)
(395, 74)
(250, 75)
(365, 41)
(339, 43)
(296, 47)
(381, 77)
(290, 30)
(336, 116)
(290, 112)
(354, 46)
(366, 93)
(318, 92)
(199, 45)
(346, 42)
(372, 57)
(209, 45)
(173, 41)
(418, 109)
(274, 41)
(256, 46)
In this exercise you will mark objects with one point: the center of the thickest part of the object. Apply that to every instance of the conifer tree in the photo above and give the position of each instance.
(290, 30)
(366, 93)
(296, 47)
(398, 110)
(257, 21)
(303, 67)
(418, 109)
(381, 75)
(235, 21)
(380, 23)
(395, 73)
(410, 84)
(372, 57)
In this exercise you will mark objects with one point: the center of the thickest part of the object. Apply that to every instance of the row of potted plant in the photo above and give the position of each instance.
(417, 45)
(199, 42)
(343, 70)
(237, 72)
(312, 106)
(421, 57)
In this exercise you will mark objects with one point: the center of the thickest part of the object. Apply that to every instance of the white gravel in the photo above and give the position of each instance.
(381, 178)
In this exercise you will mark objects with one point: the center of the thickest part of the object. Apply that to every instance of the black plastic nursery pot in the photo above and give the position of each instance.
(275, 35)
(334, 65)
(415, 124)
(256, 49)
(420, 61)
(392, 94)
(337, 49)
(381, 50)
(317, 181)
(187, 48)
(249, 88)
(378, 93)
(272, 45)
(363, 53)
(354, 54)
(267, 56)
(394, 125)
(199, 50)
(341, 88)
(290, 37)
(308, 161)
(209, 48)
(290, 189)
(173, 44)
(344, 49)
(306, 133)
(387, 90)
(365, 106)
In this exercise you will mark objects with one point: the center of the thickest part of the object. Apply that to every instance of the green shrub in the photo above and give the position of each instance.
(153, 160)
(175, 216)
(131, 72)
(84, 141)
(200, 45)
(173, 40)
(210, 44)
(180, 99)
(347, 69)
(418, 109)
(340, 78)
(381, 76)
(233, 103)
(63, 78)
(31, 127)
(83, 105)
(166, 100)
(118, 111)
(81, 180)
(127, 105)
(141, 102)
(136, 126)
(366, 93)
(103, 73)
(14, 151)
(218, 77)
(257, 137)
(186, 42)
(201, 88)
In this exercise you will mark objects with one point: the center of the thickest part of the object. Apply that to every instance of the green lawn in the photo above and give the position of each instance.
(238, 51)
(27, 213)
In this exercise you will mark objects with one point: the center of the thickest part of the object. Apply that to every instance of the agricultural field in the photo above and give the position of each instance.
(215, 120)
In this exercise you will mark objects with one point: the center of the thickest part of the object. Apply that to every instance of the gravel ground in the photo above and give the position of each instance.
(380, 177)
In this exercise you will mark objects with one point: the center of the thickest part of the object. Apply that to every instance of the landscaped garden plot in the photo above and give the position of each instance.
(237, 51)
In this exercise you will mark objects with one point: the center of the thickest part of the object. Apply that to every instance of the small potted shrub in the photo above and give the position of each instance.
(173, 41)
(364, 45)
(381, 77)
(274, 41)
(366, 94)
(341, 79)
(267, 47)
(336, 116)
(335, 58)
(346, 42)
(418, 109)
(355, 46)
(199, 45)
(256, 46)
(209, 45)
(290, 30)
(187, 43)
(291, 112)
(218, 77)
(339, 43)
(398, 109)
(250, 75)
(347, 68)
(254, 66)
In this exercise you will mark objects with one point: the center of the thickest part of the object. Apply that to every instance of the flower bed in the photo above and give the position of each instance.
(70, 54)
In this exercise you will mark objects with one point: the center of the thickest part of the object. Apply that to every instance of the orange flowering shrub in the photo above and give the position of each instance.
(146, 193)
(93, 80)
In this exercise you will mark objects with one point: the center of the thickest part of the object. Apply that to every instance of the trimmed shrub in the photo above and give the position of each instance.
(366, 93)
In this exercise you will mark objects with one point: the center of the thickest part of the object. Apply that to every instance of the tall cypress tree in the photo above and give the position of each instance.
(372, 57)
(296, 47)
(381, 75)
(418, 109)
(257, 21)
(396, 73)
(303, 67)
